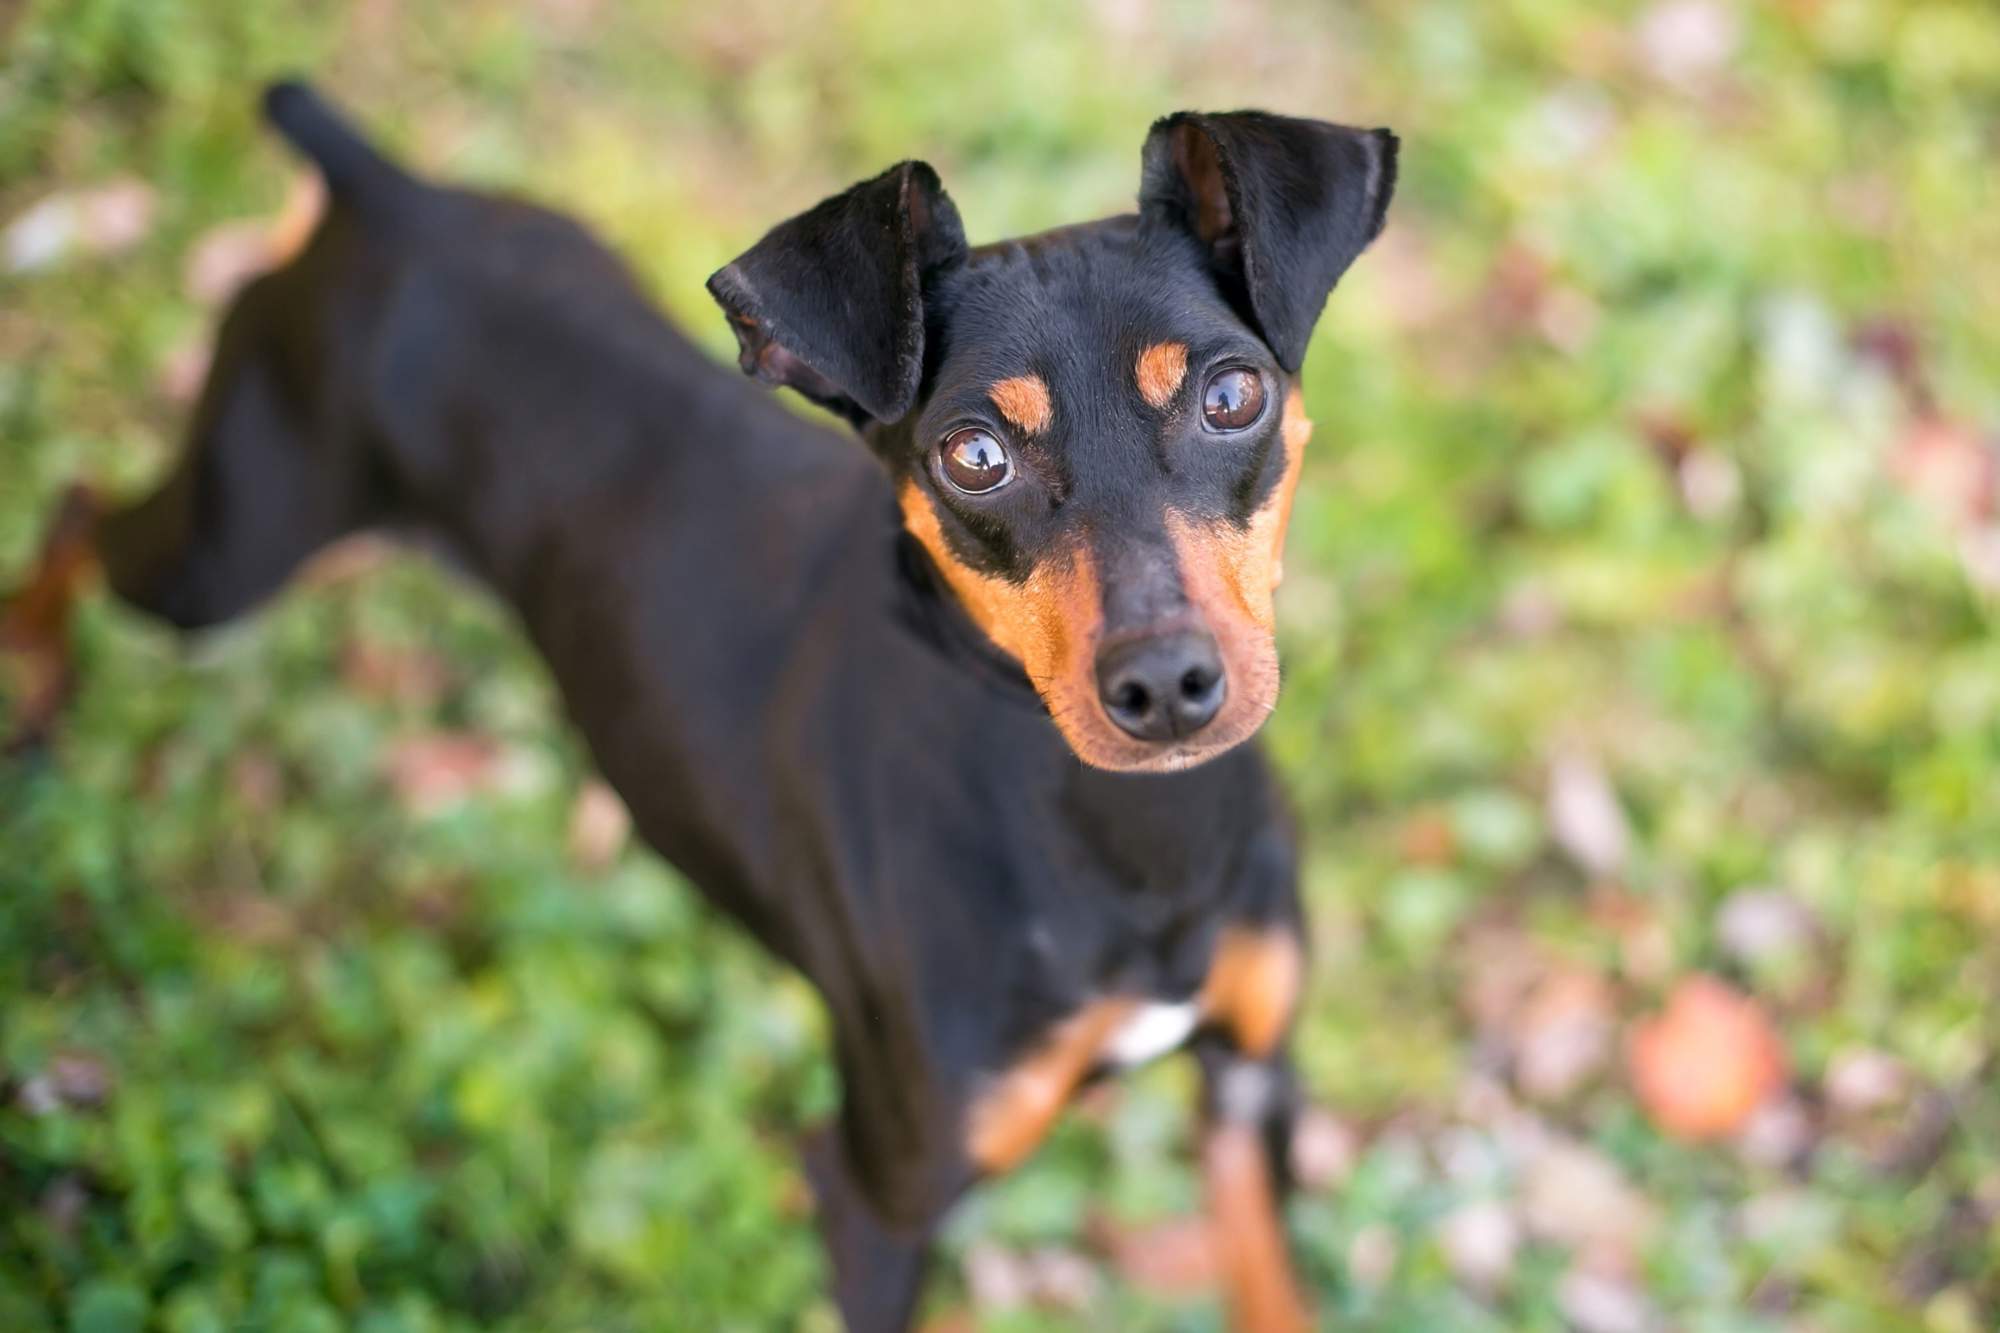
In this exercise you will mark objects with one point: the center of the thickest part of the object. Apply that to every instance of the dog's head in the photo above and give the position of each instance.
(1094, 432)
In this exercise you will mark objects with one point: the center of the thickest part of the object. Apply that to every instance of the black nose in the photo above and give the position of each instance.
(1163, 686)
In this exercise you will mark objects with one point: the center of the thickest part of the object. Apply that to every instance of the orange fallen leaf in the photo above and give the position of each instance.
(599, 826)
(1704, 1066)
(1174, 1257)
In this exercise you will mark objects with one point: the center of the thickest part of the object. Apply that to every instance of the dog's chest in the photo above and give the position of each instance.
(1152, 1029)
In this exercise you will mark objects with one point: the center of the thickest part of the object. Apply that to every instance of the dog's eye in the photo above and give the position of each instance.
(1233, 399)
(973, 461)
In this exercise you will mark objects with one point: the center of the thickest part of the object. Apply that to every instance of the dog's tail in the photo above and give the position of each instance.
(355, 173)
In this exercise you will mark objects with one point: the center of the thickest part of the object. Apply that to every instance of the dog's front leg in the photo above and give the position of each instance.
(1249, 1104)
(878, 1273)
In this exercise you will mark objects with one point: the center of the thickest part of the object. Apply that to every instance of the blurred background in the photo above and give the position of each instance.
(1642, 641)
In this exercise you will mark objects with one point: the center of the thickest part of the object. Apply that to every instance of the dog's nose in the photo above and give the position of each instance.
(1162, 687)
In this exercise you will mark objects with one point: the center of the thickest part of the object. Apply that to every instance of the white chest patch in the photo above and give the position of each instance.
(1151, 1031)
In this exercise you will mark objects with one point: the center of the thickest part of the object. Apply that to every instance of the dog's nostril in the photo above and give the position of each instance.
(1161, 687)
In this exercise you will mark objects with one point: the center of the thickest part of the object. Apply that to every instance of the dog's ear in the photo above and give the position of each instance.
(1282, 206)
(832, 302)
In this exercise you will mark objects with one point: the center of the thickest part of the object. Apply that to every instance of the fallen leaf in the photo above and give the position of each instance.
(1324, 1148)
(1949, 468)
(1573, 1195)
(1372, 1255)
(1427, 838)
(102, 220)
(435, 772)
(599, 826)
(1684, 42)
(995, 1276)
(1480, 1241)
(1004, 1279)
(1585, 817)
(1176, 1257)
(1562, 1035)
(1502, 965)
(1860, 1079)
(1758, 925)
(1705, 1065)
(1711, 484)
(1778, 1134)
(1645, 944)
(1599, 1303)
(1062, 1279)
(412, 677)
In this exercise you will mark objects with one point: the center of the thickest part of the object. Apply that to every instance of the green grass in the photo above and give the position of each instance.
(1611, 475)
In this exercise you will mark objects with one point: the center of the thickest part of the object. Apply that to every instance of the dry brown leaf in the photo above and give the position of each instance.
(432, 773)
(1562, 1035)
(1176, 1257)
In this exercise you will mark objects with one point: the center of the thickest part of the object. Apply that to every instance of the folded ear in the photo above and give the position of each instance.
(1282, 205)
(832, 302)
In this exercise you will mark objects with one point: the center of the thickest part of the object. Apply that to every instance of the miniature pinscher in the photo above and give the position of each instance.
(952, 722)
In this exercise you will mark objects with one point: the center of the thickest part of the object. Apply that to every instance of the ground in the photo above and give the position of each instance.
(1642, 708)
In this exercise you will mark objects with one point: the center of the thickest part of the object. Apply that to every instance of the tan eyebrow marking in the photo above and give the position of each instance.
(1024, 400)
(1160, 371)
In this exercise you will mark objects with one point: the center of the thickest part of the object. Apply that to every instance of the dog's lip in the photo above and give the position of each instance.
(1126, 755)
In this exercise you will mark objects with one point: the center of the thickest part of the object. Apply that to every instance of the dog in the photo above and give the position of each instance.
(954, 722)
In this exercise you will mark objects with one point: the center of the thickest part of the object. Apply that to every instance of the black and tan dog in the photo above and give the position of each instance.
(953, 722)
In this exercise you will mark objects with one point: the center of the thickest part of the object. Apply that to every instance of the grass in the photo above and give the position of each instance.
(1643, 621)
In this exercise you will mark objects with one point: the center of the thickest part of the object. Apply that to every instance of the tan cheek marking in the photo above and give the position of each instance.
(1014, 1114)
(1024, 400)
(1243, 1210)
(1046, 623)
(1253, 986)
(1295, 431)
(1245, 565)
(1160, 370)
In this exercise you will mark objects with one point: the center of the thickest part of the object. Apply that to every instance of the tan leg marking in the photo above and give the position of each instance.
(1014, 1114)
(35, 622)
(1159, 371)
(1024, 400)
(1253, 986)
(1243, 1209)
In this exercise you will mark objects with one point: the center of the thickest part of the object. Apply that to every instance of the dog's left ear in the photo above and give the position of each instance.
(1282, 205)
(831, 302)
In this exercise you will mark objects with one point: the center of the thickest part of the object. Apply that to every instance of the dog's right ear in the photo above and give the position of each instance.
(832, 302)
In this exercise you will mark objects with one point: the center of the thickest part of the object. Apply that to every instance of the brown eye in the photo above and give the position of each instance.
(973, 461)
(1233, 399)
